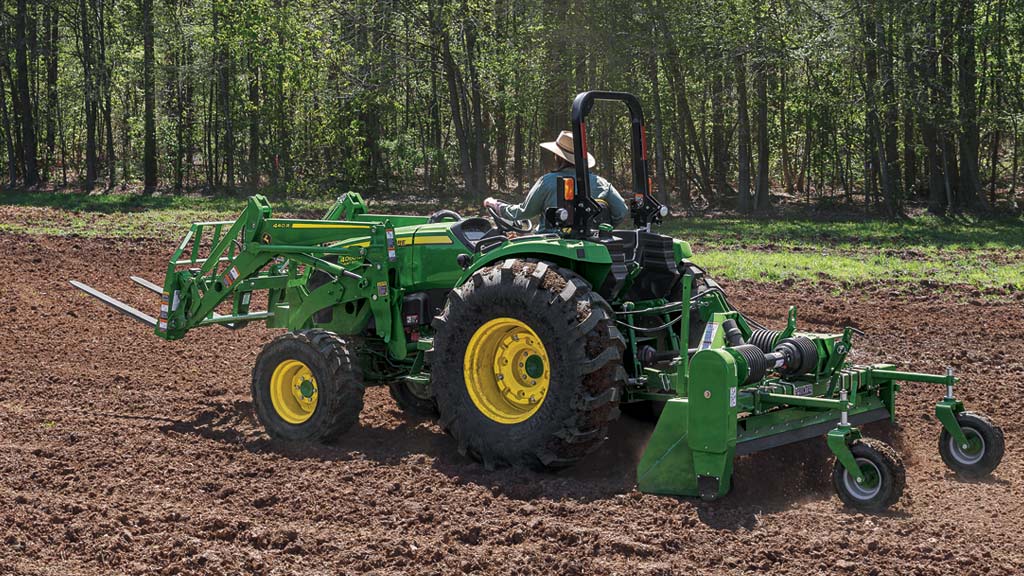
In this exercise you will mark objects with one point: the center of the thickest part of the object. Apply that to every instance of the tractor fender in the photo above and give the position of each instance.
(588, 259)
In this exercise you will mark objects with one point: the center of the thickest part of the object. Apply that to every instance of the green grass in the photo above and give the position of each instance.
(919, 233)
(987, 254)
(114, 203)
(965, 268)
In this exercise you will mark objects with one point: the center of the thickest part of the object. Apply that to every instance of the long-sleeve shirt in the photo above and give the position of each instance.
(544, 195)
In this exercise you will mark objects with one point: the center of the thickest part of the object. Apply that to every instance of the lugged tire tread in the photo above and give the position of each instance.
(592, 340)
(896, 467)
(344, 387)
(995, 447)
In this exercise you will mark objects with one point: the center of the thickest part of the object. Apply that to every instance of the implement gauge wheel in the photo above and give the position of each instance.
(414, 398)
(984, 449)
(306, 387)
(527, 366)
(882, 477)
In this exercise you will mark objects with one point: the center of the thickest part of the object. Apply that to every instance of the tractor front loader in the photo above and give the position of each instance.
(525, 346)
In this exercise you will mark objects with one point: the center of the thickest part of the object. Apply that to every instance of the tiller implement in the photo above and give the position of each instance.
(526, 345)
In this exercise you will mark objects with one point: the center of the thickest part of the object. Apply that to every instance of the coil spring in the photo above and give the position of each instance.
(764, 339)
(801, 355)
(757, 364)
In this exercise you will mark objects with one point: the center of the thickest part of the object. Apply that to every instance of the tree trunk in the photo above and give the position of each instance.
(787, 160)
(475, 108)
(30, 169)
(106, 85)
(149, 99)
(254, 125)
(743, 185)
(875, 143)
(1015, 165)
(970, 177)
(52, 102)
(928, 104)
(947, 151)
(912, 85)
(803, 178)
(719, 153)
(762, 199)
(677, 78)
(90, 98)
(225, 72)
(891, 118)
(458, 119)
(284, 114)
(518, 152)
(12, 158)
(439, 175)
(179, 127)
(998, 104)
(659, 146)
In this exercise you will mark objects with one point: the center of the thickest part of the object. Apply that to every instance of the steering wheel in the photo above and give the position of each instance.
(443, 216)
(516, 226)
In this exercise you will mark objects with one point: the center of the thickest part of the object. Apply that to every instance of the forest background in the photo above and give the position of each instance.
(875, 104)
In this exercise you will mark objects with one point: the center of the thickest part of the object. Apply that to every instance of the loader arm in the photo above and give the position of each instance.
(257, 252)
(217, 266)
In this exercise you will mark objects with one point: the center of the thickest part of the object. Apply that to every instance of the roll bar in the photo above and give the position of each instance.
(644, 207)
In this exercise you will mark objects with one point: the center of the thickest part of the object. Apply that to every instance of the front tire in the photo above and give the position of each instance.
(307, 387)
(527, 366)
(413, 398)
(882, 472)
(983, 452)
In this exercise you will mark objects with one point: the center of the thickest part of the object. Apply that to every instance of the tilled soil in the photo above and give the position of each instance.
(124, 454)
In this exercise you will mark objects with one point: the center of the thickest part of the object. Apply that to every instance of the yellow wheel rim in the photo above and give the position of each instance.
(293, 391)
(506, 370)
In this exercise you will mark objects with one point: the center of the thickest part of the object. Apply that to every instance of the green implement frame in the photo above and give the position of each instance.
(711, 416)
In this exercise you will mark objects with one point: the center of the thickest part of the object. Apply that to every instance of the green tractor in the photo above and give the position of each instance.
(525, 346)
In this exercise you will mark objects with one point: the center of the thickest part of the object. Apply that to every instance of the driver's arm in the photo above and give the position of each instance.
(617, 210)
(533, 205)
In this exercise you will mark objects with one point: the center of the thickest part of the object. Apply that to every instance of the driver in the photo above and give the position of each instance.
(543, 195)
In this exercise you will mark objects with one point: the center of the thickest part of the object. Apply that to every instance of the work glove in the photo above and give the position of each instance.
(491, 203)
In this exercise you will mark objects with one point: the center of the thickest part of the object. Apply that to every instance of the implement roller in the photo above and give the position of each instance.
(525, 346)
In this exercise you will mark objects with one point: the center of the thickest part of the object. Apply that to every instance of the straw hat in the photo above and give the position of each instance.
(563, 148)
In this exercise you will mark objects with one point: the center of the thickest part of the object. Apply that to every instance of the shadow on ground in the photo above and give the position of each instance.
(763, 483)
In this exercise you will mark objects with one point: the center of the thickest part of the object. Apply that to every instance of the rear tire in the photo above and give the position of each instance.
(984, 452)
(577, 366)
(307, 387)
(883, 472)
(413, 401)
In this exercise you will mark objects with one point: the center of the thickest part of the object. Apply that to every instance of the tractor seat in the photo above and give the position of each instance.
(472, 230)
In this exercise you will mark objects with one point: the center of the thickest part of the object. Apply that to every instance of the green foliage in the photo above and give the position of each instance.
(305, 96)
